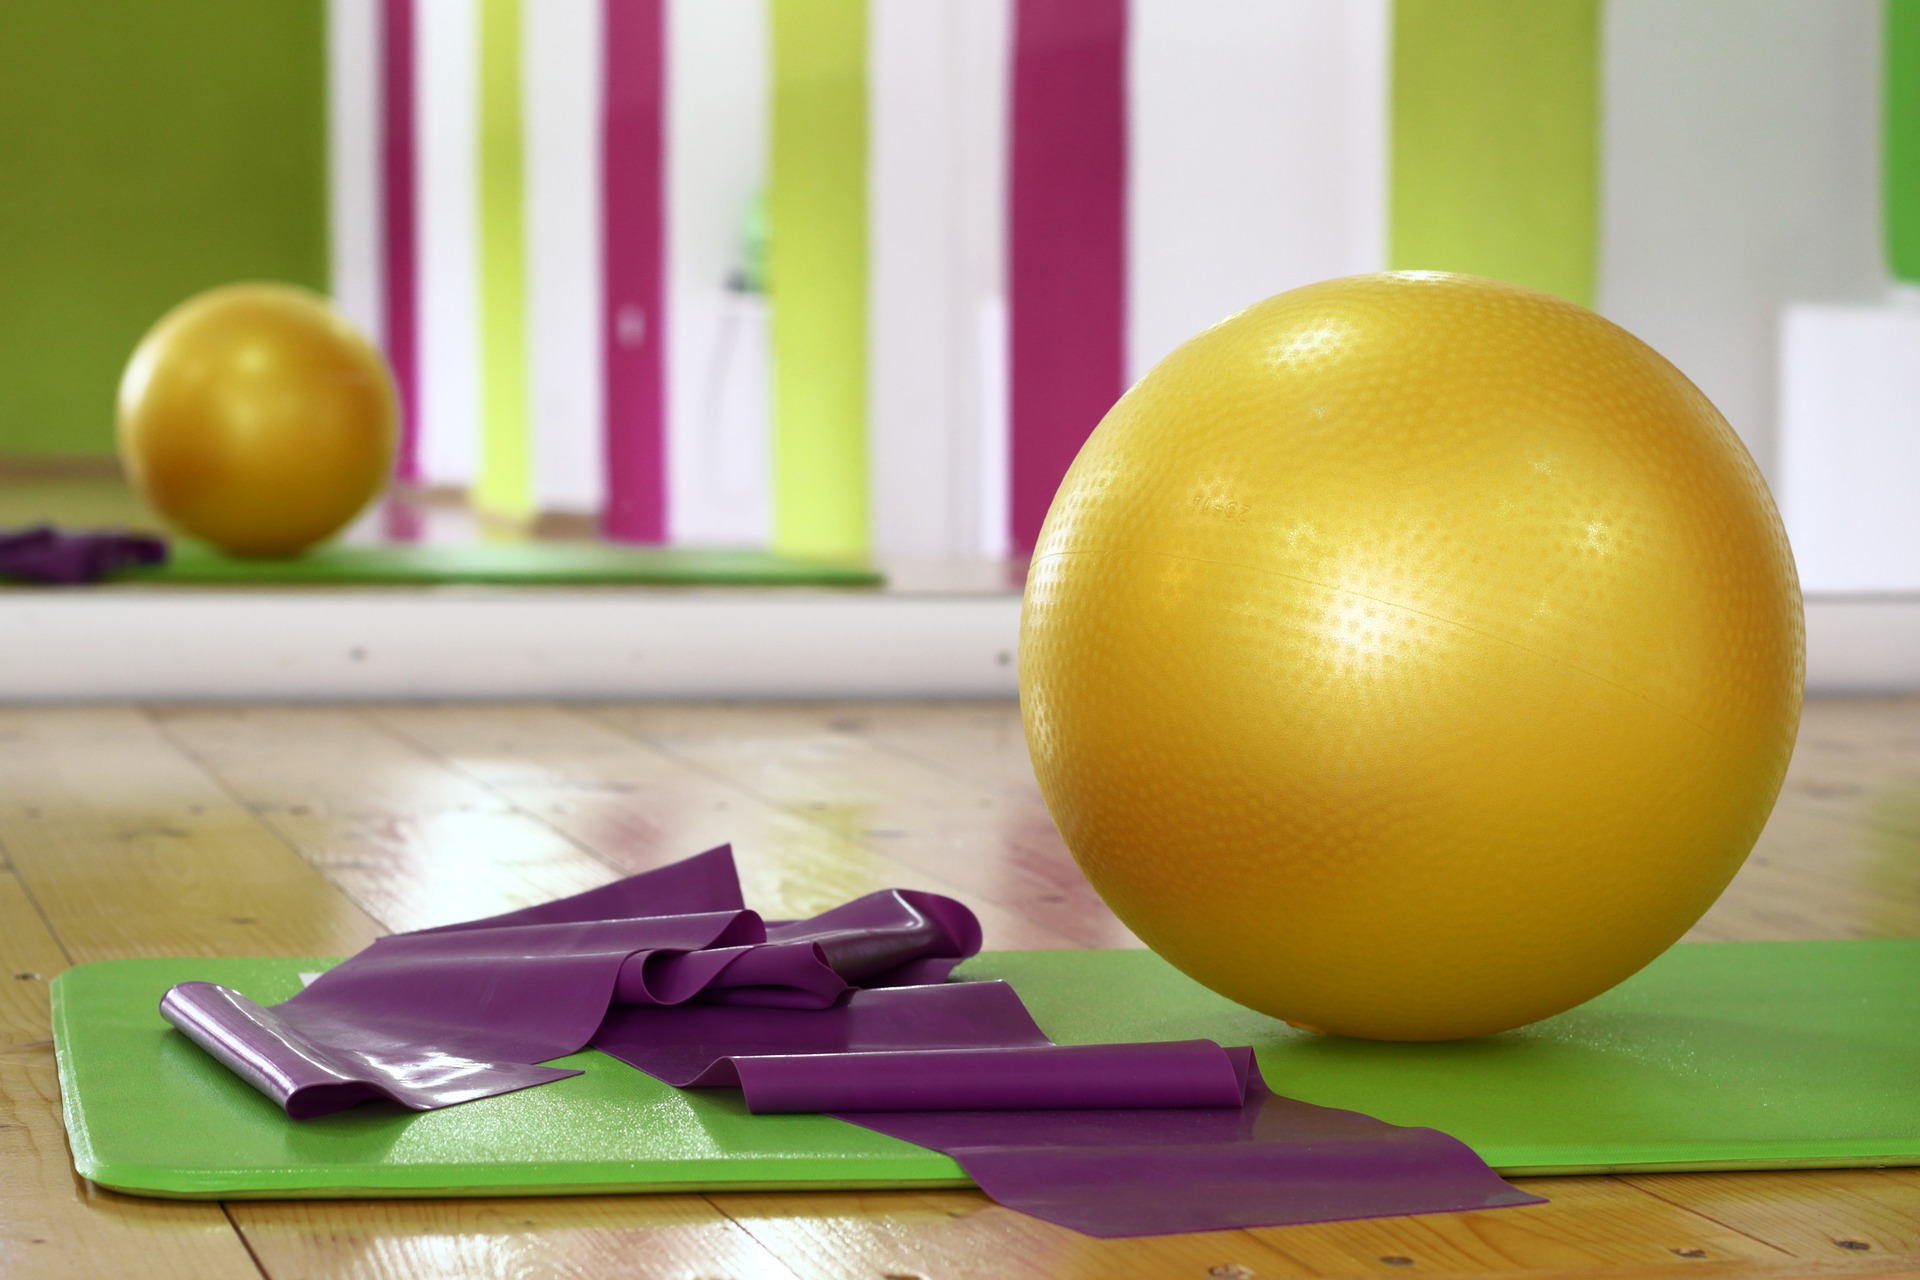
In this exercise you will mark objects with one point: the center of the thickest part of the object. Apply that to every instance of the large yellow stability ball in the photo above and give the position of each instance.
(255, 417)
(1411, 656)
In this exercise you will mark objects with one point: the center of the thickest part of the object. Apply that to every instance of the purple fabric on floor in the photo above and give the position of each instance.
(42, 553)
(1042, 1077)
(848, 1013)
(308, 1077)
(1113, 1140)
(1273, 1162)
(465, 1011)
(688, 1045)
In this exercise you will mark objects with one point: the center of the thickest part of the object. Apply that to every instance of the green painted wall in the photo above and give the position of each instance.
(148, 150)
(817, 276)
(1901, 138)
(1496, 149)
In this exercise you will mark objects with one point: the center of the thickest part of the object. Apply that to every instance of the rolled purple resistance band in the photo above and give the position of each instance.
(1052, 1077)
(848, 1013)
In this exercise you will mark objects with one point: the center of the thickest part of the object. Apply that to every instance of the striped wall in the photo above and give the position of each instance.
(856, 276)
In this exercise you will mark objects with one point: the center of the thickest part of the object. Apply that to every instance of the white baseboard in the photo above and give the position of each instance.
(179, 646)
(167, 646)
(1863, 644)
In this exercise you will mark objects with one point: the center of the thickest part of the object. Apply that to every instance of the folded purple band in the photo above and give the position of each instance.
(483, 1001)
(848, 1013)
(1187, 1073)
(44, 554)
(309, 1078)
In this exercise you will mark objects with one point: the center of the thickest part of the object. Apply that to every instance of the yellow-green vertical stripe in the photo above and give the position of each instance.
(505, 483)
(817, 276)
(1496, 150)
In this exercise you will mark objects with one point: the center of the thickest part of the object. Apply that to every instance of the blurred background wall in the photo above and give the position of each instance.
(146, 151)
(1740, 174)
(857, 276)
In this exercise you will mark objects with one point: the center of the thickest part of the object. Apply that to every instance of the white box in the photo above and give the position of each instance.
(1849, 477)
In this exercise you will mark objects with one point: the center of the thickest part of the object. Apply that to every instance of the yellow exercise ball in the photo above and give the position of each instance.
(255, 417)
(1411, 656)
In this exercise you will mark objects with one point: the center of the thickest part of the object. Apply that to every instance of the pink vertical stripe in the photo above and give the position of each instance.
(634, 326)
(1067, 241)
(401, 287)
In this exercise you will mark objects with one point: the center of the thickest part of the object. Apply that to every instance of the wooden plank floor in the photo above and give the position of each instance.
(262, 830)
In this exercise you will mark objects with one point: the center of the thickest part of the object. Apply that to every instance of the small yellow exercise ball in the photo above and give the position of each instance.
(1411, 656)
(255, 417)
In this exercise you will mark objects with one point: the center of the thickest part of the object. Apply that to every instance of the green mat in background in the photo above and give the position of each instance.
(503, 564)
(1718, 1056)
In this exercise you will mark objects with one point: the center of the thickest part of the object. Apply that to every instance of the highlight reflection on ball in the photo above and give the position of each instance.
(255, 417)
(1411, 656)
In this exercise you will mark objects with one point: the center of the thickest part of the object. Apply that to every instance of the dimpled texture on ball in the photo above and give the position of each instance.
(1411, 656)
(253, 416)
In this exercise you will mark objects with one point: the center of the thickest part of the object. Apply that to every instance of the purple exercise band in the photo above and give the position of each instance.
(41, 553)
(848, 1013)
(1045, 1077)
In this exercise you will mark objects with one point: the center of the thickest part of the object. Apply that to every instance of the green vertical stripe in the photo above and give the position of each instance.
(505, 483)
(1901, 138)
(817, 275)
(1495, 121)
(147, 152)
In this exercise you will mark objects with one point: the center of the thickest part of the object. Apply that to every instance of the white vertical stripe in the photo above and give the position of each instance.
(562, 47)
(937, 112)
(355, 245)
(912, 344)
(984, 50)
(1740, 173)
(993, 423)
(1366, 45)
(936, 231)
(447, 85)
(1850, 447)
(1258, 156)
(718, 425)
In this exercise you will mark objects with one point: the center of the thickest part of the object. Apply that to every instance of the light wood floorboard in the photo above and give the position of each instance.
(310, 830)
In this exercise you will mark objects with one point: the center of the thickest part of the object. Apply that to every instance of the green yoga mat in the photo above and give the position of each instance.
(504, 564)
(1718, 1056)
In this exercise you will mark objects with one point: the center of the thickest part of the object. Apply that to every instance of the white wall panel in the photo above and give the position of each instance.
(1258, 156)
(355, 245)
(447, 123)
(562, 48)
(1850, 446)
(936, 216)
(1740, 173)
(718, 429)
